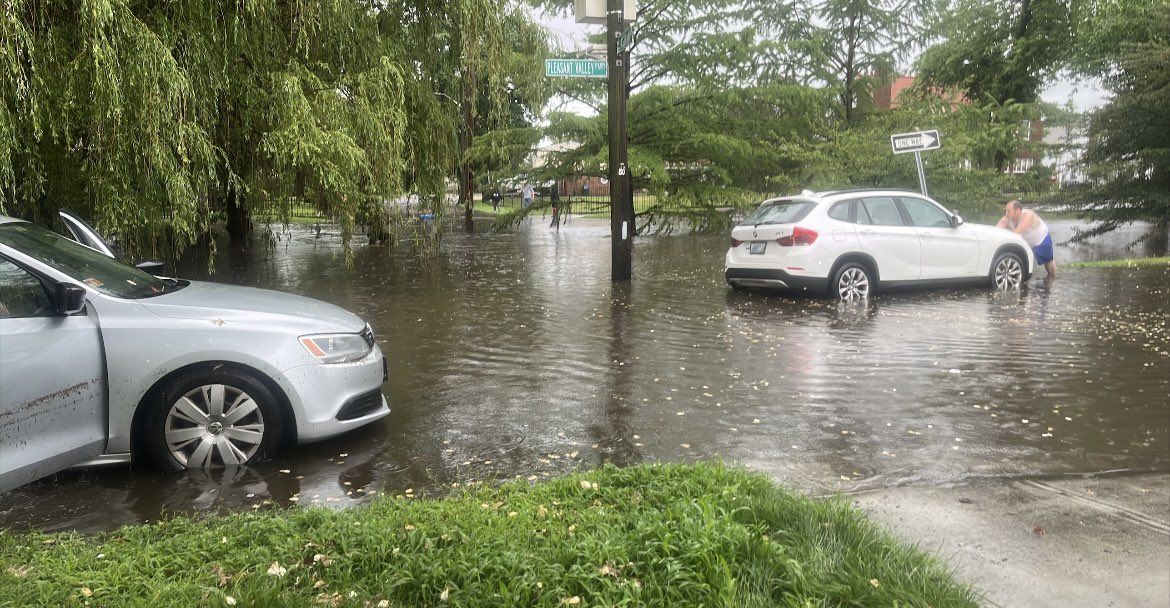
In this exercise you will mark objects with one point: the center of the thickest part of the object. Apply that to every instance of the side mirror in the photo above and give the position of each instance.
(956, 219)
(154, 267)
(70, 298)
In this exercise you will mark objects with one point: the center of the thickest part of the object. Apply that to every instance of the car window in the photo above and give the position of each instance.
(883, 211)
(780, 212)
(841, 211)
(924, 214)
(98, 271)
(863, 215)
(21, 293)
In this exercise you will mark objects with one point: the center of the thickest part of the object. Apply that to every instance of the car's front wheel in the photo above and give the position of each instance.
(1007, 271)
(211, 418)
(852, 282)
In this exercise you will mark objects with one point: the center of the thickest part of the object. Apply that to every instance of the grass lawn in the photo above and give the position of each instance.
(1127, 263)
(649, 535)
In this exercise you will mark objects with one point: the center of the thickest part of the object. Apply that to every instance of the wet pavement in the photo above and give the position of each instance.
(1098, 540)
(513, 355)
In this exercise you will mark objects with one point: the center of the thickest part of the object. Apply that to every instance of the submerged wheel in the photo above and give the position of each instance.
(1007, 271)
(852, 283)
(213, 418)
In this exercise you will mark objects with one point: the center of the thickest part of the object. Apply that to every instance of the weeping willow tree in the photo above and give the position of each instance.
(160, 118)
(483, 59)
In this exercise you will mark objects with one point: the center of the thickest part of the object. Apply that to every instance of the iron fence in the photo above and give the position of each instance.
(578, 204)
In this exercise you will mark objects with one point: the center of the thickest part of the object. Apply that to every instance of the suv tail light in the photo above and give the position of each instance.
(736, 242)
(799, 236)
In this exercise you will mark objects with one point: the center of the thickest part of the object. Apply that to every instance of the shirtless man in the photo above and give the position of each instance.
(1028, 225)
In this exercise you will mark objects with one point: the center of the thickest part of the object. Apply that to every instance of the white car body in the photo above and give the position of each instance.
(75, 383)
(933, 246)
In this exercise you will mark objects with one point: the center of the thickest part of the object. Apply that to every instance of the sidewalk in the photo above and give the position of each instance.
(1075, 541)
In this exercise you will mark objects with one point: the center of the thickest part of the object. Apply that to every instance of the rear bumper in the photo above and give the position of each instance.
(774, 278)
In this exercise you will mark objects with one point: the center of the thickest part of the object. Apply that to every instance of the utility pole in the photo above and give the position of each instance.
(621, 216)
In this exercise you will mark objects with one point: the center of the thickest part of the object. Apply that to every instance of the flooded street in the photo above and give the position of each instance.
(513, 355)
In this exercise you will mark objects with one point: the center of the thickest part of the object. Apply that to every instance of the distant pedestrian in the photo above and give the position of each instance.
(585, 186)
(1027, 224)
(554, 200)
(496, 198)
(526, 194)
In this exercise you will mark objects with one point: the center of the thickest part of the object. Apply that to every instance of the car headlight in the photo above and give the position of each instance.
(337, 348)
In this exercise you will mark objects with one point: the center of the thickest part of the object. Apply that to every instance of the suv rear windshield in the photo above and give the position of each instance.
(779, 212)
(98, 271)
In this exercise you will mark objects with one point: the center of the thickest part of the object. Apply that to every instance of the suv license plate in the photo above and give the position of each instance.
(757, 247)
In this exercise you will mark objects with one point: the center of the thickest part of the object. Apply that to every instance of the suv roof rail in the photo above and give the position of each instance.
(856, 190)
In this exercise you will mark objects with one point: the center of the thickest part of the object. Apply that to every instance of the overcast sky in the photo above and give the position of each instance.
(570, 35)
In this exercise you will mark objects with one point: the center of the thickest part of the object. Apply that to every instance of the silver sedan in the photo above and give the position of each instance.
(100, 361)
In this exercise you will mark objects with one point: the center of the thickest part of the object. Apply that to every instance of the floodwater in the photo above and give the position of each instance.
(512, 355)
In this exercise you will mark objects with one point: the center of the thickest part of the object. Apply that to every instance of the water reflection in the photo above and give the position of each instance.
(613, 435)
(512, 355)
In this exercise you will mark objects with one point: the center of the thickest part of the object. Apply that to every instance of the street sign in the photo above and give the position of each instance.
(575, 68)
(915, 142)
(625, 40)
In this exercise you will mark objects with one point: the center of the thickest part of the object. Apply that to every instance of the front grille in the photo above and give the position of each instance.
(361, 405)
(368, 335)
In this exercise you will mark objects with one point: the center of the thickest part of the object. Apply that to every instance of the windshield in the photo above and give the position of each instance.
(100, 272)
(779, 212)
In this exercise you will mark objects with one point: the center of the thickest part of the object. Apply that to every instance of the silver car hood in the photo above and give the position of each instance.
(218, 302)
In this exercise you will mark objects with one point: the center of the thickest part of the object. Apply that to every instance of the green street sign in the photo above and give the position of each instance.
(575, 68)
(625, 40)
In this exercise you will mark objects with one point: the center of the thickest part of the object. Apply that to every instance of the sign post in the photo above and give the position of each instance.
(617, 16)
(916, 142)
(921, 173)
(621, 209)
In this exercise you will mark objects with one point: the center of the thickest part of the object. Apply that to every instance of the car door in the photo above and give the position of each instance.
(52, 381)
(948, 251)
(80, 231)
(83, 233)
(885, 235)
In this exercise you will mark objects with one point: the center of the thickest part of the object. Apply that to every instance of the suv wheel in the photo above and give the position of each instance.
(852, 282)
(1007, 271)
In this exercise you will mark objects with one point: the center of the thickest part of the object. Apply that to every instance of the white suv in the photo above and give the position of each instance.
(849, 242)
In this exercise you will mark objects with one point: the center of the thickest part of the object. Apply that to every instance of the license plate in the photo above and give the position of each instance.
(757, 247)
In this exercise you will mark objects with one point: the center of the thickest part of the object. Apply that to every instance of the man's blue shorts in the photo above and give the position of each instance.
(1043, 251)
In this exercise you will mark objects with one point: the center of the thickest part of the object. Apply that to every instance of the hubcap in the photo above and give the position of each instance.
(1008, 274)
(214, 425)
(853, 285)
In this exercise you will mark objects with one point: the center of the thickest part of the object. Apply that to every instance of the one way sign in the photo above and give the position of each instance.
(915, 142)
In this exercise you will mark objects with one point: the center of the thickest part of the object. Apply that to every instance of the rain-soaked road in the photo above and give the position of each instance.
(512, 355)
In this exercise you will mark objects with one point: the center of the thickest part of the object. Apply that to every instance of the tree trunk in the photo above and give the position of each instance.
(239, 220)
(847, 96)
(466, 195)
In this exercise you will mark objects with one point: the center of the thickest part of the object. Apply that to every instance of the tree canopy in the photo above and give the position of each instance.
(1129, 138)
(159, 118)
(998, 50)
